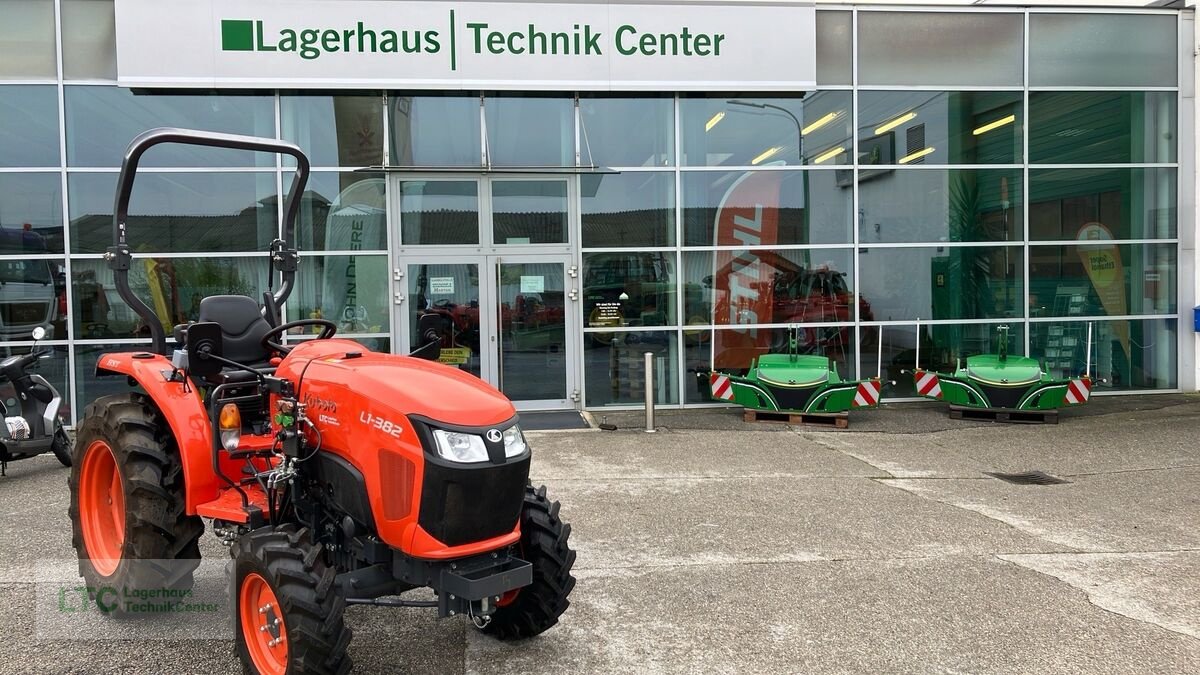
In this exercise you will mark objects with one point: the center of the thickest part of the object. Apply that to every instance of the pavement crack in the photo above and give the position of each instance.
(841, 448)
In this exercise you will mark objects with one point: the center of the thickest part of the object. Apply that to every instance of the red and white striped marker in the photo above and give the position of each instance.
(1078, 390)
(928, 384)
(721, 387)
(867, 394)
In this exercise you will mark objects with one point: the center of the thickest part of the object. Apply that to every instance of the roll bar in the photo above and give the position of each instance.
(282, 256)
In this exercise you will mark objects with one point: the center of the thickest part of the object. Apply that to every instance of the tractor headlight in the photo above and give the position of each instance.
(514, 441)
(459, 447)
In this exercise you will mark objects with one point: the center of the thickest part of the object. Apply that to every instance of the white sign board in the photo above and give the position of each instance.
(533, 284)
(441, 285)
(686, 45)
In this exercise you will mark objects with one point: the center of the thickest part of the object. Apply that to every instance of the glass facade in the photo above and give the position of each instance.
(950, 174)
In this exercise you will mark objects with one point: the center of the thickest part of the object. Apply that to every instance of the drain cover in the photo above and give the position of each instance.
(1028, 478)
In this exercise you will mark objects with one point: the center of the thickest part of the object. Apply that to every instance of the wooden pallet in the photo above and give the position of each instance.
(837, 420)
(958, 412)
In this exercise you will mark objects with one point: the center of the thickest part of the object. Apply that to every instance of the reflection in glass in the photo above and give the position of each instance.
(764, 208)
(381, 345)
(439, 212)
(943, 348)
(940, 48)
(32, 294)
(342, 212)
(1102, 127)
(628, 209)
(533, 331)
(177, 212)
(102, 120)
(334, 130)
(628, 289)
(350, 290)
(435, 131)
(451, 291)
(1130, 203)
(89, 40)
(622, 131)
(929, 205)
(1125, 354)
(939, 127)
(1102, 50)
(959, 282)
(172, 287)
(529, 211)
(27, 40)
(53, 366)
(697, 355)
(730, 131)
(1102, 278)
(614, 368)
(530, 130)
(28, 125)
(30, 213)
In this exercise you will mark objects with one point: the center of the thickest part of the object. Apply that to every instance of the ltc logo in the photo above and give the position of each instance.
(494, 435)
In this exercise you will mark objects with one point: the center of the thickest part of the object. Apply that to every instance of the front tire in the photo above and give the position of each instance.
(61, 445)
(128, 523)
(287, 611)
(535, 608)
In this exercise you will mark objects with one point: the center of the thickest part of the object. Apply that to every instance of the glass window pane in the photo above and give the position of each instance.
(1101, 127)
(176, 212)
(834, 47)
(435, 131)
(628, 289)
(89, 40)
(102, 120)
(451, 291)
(376, 344)
(1102, 279)
(342, 212)
(29, 126)
(32, 294)
(1125, 354)
(53, 366)
(940, 48)
(349, 290)
(924, 127)
(27, 40)
(939, 283)
(1102, 50)
(529, 211)
(628, 209)
(533, 334)
(1130, 203)
(733, 131)
(765, 208)
(614, 368)
(627, 131)
(928, 205)
(734, 349)
(697, 355)
(31, 213)
(943, 348)
(530, 130)
(439, 212)
(334, 130)
(173, 287)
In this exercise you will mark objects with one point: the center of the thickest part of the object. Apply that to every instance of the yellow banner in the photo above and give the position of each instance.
(1103, 264)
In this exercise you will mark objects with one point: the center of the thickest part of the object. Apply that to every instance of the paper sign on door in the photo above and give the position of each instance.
(534, 284)
(441, 285)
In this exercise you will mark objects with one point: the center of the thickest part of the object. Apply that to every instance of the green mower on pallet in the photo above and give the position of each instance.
(796, 383)
(1003, 383)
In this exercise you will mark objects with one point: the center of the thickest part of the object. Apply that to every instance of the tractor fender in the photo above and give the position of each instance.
(180, 405)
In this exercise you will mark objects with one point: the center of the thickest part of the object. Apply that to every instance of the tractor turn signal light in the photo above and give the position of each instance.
(231, 426)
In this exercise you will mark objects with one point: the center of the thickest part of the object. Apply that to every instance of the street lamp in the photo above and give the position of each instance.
(785, 111)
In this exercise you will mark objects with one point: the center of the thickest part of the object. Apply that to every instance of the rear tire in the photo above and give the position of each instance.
(128, 523)
(535, 608)
(61, 445)
(281, 567)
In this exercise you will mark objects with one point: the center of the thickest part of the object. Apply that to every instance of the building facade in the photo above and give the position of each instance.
(930, 174)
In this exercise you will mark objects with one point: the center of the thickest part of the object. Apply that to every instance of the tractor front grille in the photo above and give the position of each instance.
(465, 503)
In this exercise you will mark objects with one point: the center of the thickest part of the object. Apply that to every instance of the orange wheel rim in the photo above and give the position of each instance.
(508, 598)
(261, 619)
(102, 507)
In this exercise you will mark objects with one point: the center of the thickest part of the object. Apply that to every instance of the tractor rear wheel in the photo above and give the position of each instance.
(128, 523)
(531, 610)
(287, 611)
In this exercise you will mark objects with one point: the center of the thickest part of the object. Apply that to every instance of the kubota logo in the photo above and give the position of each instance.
(246, 35)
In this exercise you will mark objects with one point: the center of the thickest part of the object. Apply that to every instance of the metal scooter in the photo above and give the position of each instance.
(38, 428)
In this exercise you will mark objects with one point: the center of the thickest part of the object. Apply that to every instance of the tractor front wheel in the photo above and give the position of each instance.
(128, 523)
(287, 612)
(61, 445)
(531, 610)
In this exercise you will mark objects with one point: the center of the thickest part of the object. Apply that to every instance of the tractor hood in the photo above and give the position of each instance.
(1013, 371)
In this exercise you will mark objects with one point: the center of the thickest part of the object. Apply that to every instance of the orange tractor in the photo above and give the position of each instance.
(337, 476)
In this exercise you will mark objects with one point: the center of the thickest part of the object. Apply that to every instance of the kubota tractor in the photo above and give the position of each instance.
(336, 475)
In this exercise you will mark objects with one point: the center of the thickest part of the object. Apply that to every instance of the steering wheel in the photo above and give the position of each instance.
(328, 329)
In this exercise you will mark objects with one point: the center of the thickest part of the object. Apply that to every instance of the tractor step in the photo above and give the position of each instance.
(838, 420)
(958, 412)
(228, 506)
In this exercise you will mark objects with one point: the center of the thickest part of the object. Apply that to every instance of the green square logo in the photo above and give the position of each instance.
(237, 35)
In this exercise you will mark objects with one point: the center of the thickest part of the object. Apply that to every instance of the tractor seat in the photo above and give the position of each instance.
(242, 329)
